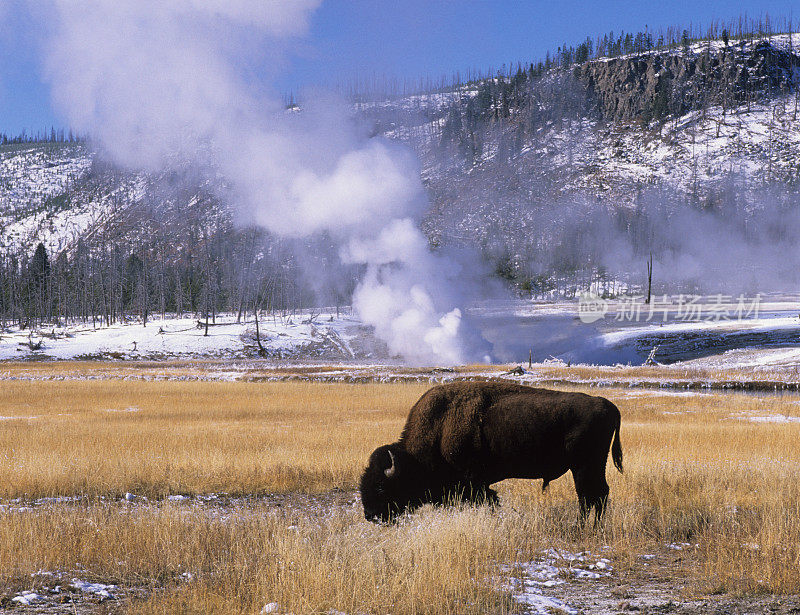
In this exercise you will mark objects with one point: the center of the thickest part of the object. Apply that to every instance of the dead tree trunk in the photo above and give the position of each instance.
(261, 350)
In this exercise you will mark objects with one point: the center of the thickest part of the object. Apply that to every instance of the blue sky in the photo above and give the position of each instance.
(402, 38)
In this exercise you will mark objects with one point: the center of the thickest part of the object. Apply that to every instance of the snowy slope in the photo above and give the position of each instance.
(754, 143)
(32, 179)
(30, 173)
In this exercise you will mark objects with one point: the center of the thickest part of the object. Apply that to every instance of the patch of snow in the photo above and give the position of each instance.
(680, 546)
(98, 589)
(228, 376)
(556, 568)
(60, 499)
(753, 325)
(768, 418)
(27, 598)
(540, 604)
(659, 393)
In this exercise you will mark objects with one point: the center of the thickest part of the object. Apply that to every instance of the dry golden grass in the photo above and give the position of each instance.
(110, 437)
(440, 563)
(695, 472)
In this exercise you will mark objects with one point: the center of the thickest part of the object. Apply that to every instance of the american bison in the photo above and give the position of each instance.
(460, 438)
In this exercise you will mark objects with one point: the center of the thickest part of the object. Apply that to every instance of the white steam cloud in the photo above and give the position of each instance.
(155, 82)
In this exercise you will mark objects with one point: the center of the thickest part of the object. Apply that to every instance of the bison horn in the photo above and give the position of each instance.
(391, 469)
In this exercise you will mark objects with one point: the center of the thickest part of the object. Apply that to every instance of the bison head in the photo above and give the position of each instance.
(385, 483)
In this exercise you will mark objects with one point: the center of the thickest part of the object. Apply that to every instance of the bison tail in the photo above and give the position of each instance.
(616, 445)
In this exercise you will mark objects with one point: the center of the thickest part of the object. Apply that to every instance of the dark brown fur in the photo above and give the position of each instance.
(460, 438)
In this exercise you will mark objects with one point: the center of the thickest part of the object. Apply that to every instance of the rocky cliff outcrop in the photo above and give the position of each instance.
(660, 83)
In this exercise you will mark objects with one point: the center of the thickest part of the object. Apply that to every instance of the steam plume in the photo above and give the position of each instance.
(155, 82)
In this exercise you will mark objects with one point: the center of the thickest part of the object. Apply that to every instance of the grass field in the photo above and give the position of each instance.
(716, 471)
(160, 438)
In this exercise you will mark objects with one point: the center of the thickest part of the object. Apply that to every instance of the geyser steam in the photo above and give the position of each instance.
(161, 82)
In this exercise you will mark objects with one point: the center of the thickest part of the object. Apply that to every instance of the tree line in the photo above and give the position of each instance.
(374, 86)
(111, 278)
(53, 135)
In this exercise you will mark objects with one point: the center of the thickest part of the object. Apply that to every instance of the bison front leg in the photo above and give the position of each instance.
(475, 493)
(483, 494)
(592, 490)
(491, 497)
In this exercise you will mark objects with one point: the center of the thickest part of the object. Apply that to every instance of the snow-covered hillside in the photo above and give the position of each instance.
(709, 133)
(58, 193)
(31, 173)
(545, 147)
(33, 180)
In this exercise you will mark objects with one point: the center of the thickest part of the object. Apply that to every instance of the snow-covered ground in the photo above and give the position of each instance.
(184, 337)
(753, 342)
(767, 418)
(552, 332)
(710, 334)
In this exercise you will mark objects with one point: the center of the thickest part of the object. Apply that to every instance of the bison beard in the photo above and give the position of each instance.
(460, 438)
